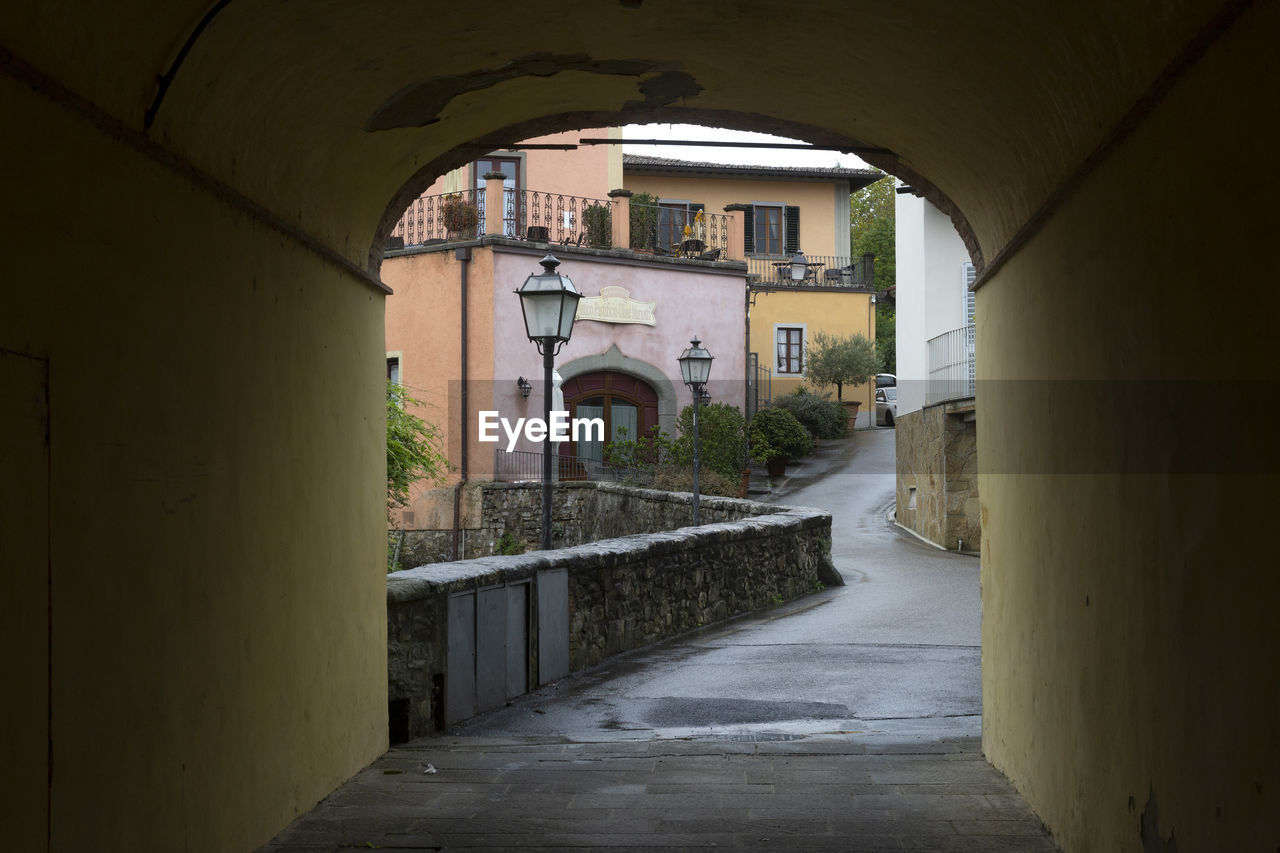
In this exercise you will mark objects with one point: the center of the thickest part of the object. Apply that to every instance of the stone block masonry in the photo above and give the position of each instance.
(937, 467)
(623, 592)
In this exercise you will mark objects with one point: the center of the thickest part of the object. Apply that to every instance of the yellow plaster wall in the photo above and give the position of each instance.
(815, 200)
(835, 312)
(1130, 641)
(215, 504)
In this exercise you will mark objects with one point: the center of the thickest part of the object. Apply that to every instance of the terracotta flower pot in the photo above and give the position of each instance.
(851, 410)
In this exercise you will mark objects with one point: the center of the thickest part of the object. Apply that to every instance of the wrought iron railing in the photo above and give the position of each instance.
(544, 217)
(557, 218)
(525, 466)
(818, 271)
(677, 232)
(428, 218)
(950, 362)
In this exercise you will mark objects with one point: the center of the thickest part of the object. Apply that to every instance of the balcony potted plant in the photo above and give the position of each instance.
(644, 222)
(459, 216)
(776, 438)
(598, 219)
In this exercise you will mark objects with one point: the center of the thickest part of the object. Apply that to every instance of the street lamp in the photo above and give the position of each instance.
(695, 368)
(550, 304)
(799, 266)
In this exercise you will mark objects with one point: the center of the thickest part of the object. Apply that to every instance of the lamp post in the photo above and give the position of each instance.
(550, 304)
(799, 266)
(695, 368)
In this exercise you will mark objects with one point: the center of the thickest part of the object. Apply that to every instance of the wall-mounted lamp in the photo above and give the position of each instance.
(524, 386)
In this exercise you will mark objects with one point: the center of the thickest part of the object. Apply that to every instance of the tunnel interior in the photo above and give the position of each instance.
(192, 363)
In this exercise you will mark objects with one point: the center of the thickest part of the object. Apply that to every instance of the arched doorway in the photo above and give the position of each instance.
(627, 404)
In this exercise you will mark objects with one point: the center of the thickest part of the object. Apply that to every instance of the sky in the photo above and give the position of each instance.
(743, 156)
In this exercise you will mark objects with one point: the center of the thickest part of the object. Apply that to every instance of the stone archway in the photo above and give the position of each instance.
(213, 180)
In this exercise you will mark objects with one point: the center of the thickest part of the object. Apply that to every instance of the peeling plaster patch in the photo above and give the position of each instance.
(666, 88)
(422, 103)
(1149, 829)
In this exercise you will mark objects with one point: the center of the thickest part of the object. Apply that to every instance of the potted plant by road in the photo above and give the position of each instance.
(841, 361)
(459, 216)
(776, 438)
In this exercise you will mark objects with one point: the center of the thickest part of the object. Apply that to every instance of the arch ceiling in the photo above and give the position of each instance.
(321, 111)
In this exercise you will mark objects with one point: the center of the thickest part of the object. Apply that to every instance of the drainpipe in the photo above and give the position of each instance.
(463, 255)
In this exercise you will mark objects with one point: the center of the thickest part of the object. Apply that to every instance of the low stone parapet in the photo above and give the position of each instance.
(505, 624)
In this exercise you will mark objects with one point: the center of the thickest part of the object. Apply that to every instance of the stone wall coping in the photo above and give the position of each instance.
(714, 502)
(462, 575)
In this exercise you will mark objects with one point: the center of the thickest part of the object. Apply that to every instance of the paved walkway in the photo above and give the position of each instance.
(818, 793)
(846, 720)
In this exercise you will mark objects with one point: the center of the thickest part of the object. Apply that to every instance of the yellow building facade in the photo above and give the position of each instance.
(787, 210)
(783, 317)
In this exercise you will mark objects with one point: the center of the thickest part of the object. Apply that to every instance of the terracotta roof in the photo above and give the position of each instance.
(857, 178)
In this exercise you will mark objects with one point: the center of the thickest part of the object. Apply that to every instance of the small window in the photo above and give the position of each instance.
(790, 350)
(769, 233)
(393, 369)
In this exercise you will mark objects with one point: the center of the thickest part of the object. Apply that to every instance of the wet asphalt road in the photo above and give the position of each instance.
(894, 652)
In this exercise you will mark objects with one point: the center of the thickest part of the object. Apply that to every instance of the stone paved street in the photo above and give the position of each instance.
(817, 793)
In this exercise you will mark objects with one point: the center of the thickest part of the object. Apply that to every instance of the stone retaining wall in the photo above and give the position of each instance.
(623, 593)
(578, 515)
(937, 465)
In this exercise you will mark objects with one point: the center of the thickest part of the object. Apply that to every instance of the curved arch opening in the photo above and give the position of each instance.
(509, 137)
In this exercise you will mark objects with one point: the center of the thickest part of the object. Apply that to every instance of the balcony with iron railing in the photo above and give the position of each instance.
(555, 218)
(951, 365)
(680, 233)
(809, 271)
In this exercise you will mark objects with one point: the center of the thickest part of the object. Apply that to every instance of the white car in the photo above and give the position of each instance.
(886, 406)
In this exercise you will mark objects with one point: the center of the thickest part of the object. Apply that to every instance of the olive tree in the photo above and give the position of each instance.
(841, 361)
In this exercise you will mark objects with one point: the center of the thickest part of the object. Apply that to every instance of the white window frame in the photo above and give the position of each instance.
(804, 347)
(399, 357)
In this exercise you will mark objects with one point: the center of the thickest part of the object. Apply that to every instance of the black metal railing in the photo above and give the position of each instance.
(557, 218)
(525, 466)
(818, 271)
(680, 233)
(450, 216)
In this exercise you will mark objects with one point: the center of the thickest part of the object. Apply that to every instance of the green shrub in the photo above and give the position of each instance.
(721, 439)
(776, 433)
(820, 415)
(508, 544)
(652, 448)
(598, 220)
(644, 220)
(671, 478)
